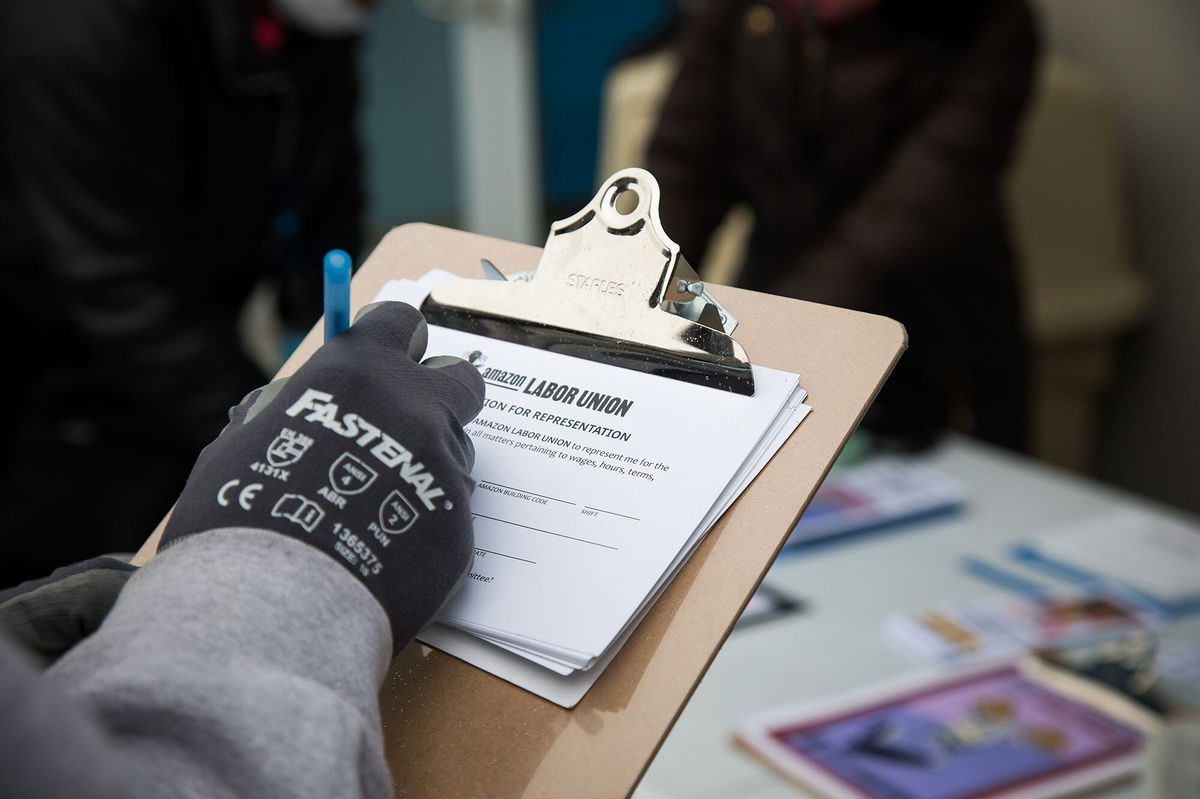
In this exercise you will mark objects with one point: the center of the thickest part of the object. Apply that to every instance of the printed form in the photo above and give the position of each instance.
(593, 485)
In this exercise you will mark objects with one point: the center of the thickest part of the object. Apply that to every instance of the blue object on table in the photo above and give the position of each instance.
(1003, 578)
(1029, 555)
(337, 292)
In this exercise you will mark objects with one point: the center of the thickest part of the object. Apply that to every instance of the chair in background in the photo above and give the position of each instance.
(1067, 202)
(1067, 197)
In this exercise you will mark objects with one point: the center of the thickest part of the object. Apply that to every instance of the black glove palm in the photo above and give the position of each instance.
(361, 454)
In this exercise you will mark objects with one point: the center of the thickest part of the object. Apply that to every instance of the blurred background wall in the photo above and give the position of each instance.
(411, 114)
(408, 120)
(1147, 437)
(1149, 54)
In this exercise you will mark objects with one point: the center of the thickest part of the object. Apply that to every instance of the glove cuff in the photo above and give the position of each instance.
(277, 596)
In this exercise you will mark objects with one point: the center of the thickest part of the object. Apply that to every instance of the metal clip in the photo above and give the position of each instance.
(610, 287)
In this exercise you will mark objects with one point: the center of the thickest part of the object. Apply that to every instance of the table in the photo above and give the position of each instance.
(838, 643)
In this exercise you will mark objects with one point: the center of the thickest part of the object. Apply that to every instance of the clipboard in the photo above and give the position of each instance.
(451, 729)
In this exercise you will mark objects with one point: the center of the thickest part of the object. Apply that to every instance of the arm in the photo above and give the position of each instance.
(245, 658)
(105, 160)
(237, 663)
(240, 663)
(48, 745)
(941, 180)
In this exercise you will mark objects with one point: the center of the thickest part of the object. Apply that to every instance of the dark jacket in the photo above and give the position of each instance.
(871, 153)
(155, 163)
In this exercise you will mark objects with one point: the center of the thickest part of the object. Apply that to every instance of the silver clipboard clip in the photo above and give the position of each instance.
(610, 287)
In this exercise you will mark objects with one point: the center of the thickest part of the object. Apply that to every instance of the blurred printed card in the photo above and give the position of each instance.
(995, 732)
(1005, 626)
(883, 490)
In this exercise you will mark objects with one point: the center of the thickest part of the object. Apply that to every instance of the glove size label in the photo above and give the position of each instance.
(318, 407)
(355, 551)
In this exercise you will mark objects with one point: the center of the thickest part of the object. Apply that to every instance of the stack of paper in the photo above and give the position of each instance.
(593, 486)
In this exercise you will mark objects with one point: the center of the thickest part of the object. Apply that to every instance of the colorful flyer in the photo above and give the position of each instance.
(1005, 626)
(986, 733)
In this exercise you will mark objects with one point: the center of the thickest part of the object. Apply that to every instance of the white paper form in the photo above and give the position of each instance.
(580, 510)
(783, 427)
(593, 484)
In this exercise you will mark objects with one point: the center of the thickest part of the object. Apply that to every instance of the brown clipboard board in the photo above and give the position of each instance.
(453, 730)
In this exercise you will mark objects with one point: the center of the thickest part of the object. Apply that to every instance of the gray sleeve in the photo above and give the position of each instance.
(48, 746)
(238, 663)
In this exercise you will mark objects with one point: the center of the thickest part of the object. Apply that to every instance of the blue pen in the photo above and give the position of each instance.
(337, 292)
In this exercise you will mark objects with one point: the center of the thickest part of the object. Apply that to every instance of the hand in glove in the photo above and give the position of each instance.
(362, 454)
(49, 616)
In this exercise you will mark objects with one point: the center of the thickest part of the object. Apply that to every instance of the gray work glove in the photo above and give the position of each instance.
(361, 454)
(49, 616)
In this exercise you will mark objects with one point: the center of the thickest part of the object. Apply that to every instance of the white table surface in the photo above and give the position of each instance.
(837, 642)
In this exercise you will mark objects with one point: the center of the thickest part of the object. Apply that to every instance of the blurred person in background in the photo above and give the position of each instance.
(870, 139)
(158, 158)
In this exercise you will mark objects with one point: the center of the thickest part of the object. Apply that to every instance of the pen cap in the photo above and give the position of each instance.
(337, 267)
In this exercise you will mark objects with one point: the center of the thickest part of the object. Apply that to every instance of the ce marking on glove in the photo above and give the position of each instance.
(245, 497)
